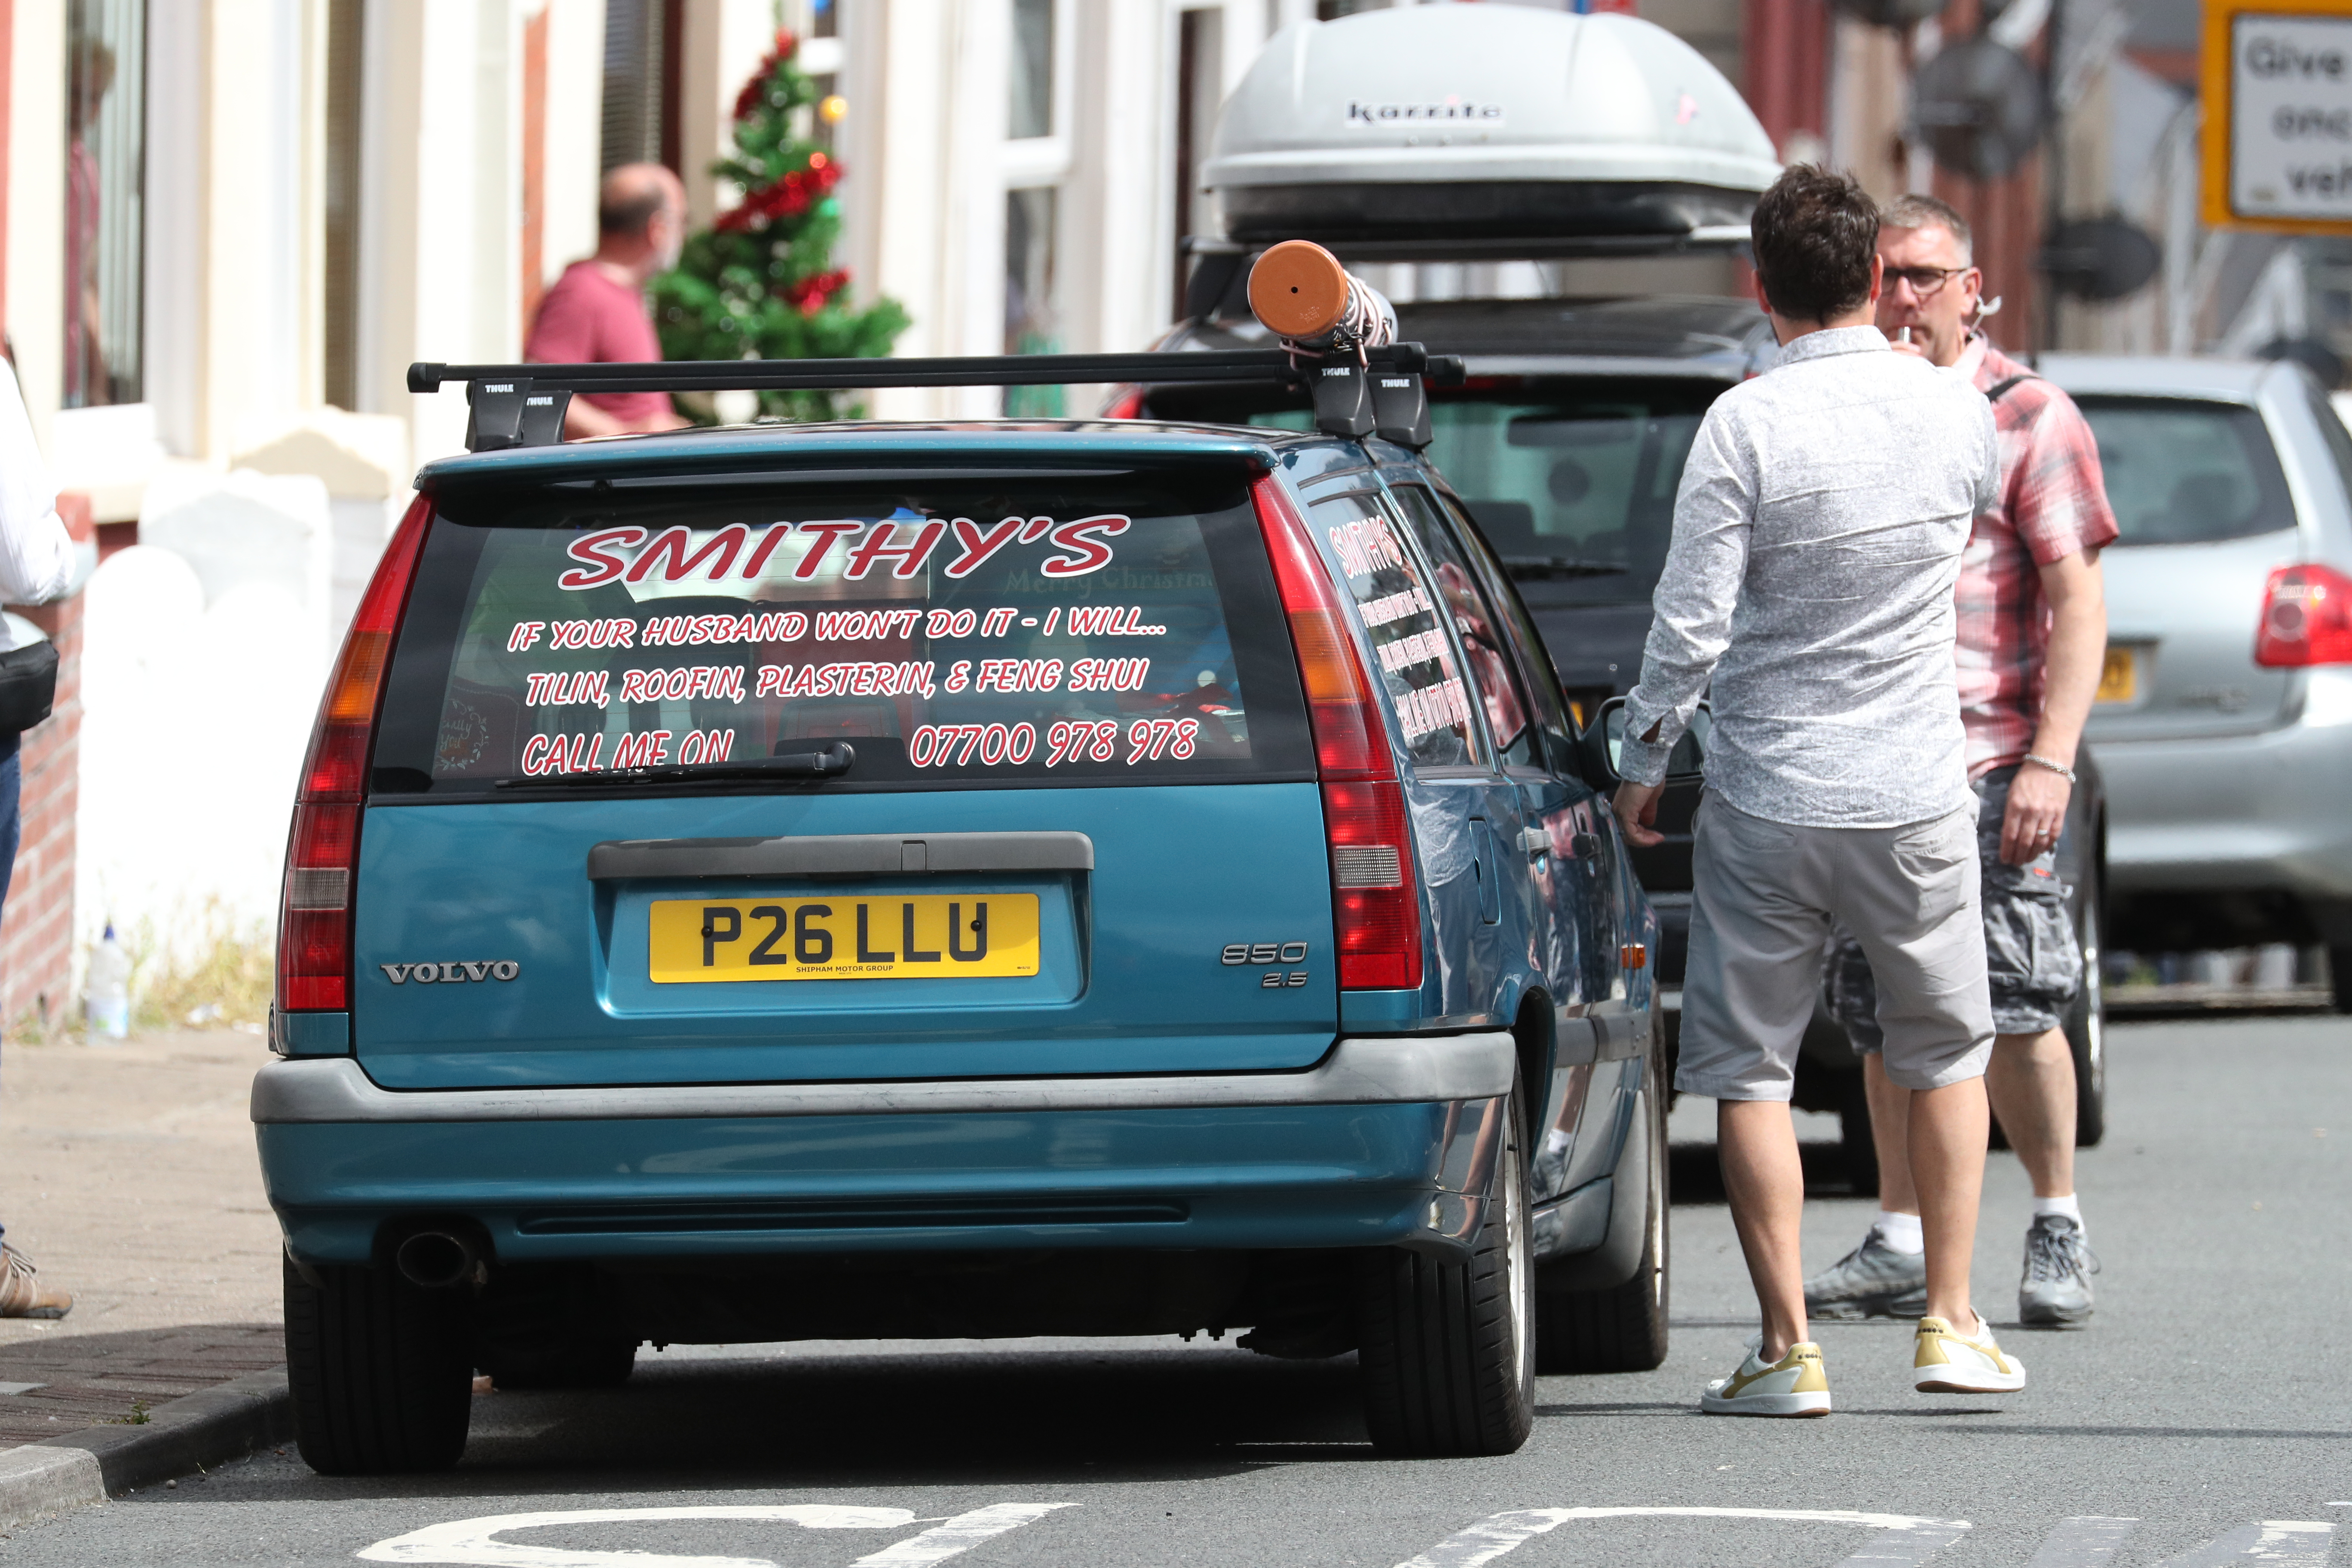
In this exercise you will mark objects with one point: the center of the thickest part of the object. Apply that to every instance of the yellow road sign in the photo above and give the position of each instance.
(2277, 87)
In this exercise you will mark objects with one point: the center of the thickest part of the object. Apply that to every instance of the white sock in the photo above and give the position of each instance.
(1900, 1232)
(2071, 1205)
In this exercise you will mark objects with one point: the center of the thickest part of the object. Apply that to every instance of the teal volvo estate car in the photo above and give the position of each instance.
(963, 881)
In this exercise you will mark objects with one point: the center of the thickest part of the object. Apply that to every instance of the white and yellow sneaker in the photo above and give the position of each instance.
(1796, 1385)
(1946, 1362)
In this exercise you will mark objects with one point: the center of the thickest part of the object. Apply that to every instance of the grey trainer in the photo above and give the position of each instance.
(2056, 1291)
(1873, 1280)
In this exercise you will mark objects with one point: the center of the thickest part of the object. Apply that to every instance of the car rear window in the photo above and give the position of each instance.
(2184, 471)
(953, 631)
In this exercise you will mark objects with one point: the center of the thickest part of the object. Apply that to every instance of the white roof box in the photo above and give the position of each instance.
(1433, 125)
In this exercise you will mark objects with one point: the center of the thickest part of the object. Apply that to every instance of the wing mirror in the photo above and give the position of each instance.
(1603, 740)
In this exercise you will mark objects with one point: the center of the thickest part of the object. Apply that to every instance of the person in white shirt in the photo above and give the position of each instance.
(39, 561)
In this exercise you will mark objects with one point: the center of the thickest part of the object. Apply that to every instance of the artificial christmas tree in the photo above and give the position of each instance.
(759, 283)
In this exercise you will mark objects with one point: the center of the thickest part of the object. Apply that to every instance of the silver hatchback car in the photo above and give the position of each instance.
(2225, 720)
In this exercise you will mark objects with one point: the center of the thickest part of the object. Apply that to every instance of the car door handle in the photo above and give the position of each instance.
(841, 855)
(1535, 840)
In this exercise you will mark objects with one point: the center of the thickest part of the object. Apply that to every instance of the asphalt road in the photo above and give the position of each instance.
(2209, 1397)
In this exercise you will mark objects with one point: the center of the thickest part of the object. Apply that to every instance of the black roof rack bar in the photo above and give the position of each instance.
(838, 374)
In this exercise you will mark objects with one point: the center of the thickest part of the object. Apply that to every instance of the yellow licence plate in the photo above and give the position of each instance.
(927, 936)
(2119, 676)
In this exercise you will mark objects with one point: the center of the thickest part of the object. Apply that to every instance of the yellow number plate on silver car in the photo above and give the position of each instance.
(927, 936)
(2119, 676)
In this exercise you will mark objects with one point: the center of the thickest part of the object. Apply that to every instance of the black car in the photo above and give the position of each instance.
(1567, 441)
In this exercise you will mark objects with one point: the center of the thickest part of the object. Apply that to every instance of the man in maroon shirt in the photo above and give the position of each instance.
(596, 313)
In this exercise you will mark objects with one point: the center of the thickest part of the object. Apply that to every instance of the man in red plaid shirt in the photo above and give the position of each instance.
(2032, 636)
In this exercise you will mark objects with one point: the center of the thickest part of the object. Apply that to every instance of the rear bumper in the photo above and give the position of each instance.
(2258, 813)
(1387, 1142)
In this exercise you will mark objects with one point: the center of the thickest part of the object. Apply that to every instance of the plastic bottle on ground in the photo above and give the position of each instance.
(109, 1004)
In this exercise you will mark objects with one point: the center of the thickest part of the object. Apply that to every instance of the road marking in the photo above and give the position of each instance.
(942, 1541)
(1489, 1538)
(475, 1540)
(2081, 1542)
(2285, 1543)
(1909, 1541)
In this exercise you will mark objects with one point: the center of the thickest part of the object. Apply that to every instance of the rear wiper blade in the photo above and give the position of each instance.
(1527, 566)
(831, 763)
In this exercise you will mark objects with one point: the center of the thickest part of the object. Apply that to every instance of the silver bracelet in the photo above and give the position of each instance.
(2060, 770)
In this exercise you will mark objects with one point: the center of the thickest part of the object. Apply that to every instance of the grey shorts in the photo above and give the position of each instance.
(2034, 964)
(1764, 896)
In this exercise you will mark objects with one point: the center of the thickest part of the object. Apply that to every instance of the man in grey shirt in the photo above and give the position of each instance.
(1817, 538)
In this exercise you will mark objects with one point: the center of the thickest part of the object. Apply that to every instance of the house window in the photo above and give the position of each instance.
(1033, 69)
(106, 150)
(1029, 324)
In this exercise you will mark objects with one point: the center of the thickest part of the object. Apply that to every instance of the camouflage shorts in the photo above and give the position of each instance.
(2035, 967)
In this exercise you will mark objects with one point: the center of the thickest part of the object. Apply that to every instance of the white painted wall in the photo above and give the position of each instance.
(174, 217)
(204, 654)
(261, 252)
(575, 98)
(723, 44)
(441, 182)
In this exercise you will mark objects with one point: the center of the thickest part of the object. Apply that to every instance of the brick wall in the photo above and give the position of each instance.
(36, 930)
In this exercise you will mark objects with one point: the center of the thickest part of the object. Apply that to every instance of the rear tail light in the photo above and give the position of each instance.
(1376, 912)
(1376, 908)
(2306, 618)
(314, 933)
(1348, 740)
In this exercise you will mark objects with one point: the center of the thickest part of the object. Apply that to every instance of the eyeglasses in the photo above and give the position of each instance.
(1924, 280)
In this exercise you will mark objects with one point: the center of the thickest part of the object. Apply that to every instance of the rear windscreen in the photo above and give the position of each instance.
(2184, 472)
(955, 631)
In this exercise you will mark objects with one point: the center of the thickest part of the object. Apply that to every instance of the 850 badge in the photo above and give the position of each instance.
(1241, 953)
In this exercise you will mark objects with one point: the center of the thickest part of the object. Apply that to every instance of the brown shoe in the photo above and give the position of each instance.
(22, 1294)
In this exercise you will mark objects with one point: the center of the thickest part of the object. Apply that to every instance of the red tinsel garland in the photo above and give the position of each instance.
(755, 92)
(788, 197)
(812, 293)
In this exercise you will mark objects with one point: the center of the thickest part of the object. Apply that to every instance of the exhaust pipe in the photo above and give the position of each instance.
(437, 1260)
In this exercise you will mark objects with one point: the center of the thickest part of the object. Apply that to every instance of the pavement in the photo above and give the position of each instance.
(129, 1177)
(2200, 1422)
(132, 1182)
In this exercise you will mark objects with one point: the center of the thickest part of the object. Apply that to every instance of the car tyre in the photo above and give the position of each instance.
(2086, 1031)
(1446, 1351)
(1623, 1329)
(380, 1371)
(577, 1363)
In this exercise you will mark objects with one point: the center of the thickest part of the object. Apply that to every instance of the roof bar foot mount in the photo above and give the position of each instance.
(1342, 405)
(1400, 408)
(512, 413)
